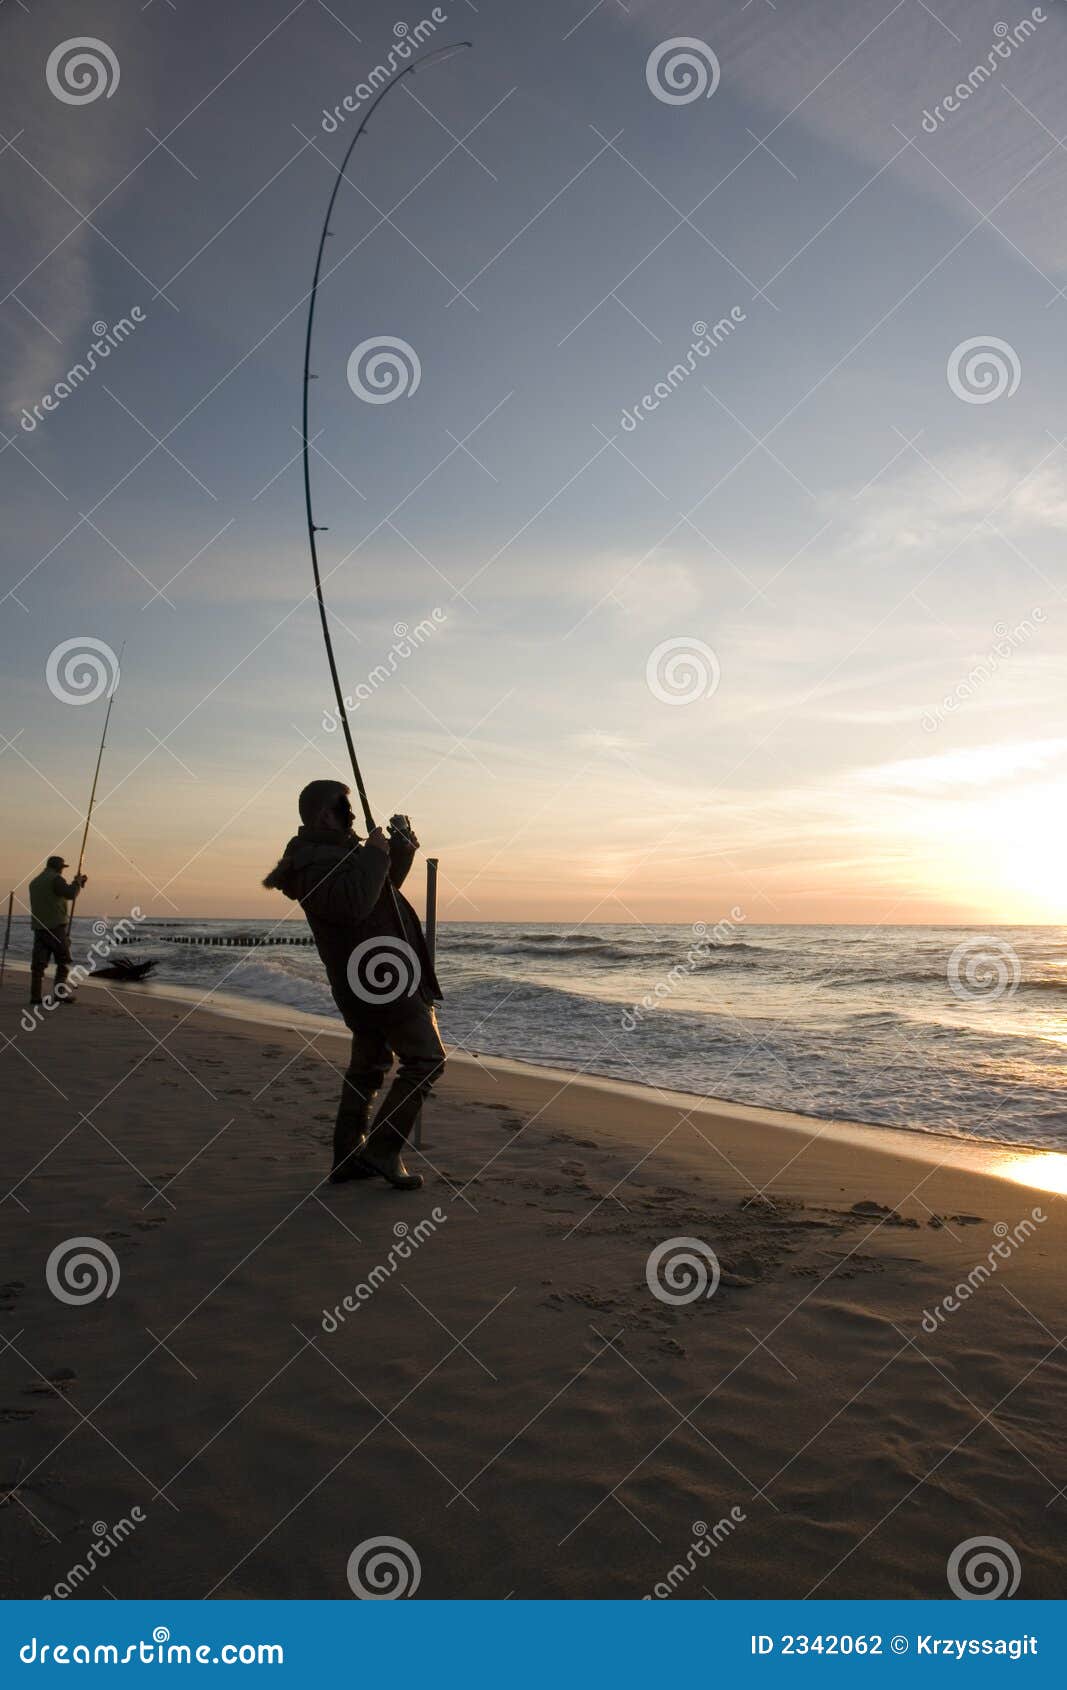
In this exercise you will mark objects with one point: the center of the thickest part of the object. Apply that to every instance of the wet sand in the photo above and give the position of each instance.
(506, 1392)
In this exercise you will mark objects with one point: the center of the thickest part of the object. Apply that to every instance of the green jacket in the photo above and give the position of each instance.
(50, 897)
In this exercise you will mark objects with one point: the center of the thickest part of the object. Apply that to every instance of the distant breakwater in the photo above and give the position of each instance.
(243, 941)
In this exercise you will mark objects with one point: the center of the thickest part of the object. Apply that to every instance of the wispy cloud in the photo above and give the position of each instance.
(63, 159)
(977, 765)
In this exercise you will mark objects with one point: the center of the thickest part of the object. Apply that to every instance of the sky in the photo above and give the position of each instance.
(764, 616)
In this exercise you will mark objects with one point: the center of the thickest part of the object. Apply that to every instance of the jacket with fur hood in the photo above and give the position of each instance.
(342, 886)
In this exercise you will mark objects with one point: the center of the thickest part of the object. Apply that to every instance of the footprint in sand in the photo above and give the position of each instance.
(59, 1382)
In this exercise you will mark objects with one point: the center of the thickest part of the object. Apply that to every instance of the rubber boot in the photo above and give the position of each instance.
(383, 1152)
(382, 1155)
(350, 1139)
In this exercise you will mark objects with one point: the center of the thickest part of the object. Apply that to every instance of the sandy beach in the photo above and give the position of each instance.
(508, 1395)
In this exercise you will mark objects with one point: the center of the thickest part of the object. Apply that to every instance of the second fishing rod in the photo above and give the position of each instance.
(92, 790)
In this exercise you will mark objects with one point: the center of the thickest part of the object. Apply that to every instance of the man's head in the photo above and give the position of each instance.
(55, 862)
(324, 804)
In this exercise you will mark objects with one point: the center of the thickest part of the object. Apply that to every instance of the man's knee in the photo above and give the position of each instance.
(363, 1081)
(424, 1070)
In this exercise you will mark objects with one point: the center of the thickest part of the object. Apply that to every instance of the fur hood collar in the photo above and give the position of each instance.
(307, 848)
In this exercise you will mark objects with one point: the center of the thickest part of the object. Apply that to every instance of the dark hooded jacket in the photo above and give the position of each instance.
(342, 886)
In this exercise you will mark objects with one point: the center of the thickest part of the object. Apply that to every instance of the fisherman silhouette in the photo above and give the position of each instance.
(380, 972)
(50, 899)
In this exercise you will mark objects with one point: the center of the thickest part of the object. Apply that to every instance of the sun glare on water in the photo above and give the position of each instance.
(1042, 1171)
(1029, 834)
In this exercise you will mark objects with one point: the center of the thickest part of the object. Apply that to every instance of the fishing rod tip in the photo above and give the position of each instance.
(439, 55)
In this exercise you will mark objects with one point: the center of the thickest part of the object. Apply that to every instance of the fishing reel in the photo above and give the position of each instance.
(400, 828)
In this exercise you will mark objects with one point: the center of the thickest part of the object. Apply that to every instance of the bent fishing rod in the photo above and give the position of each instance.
(437, 56)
